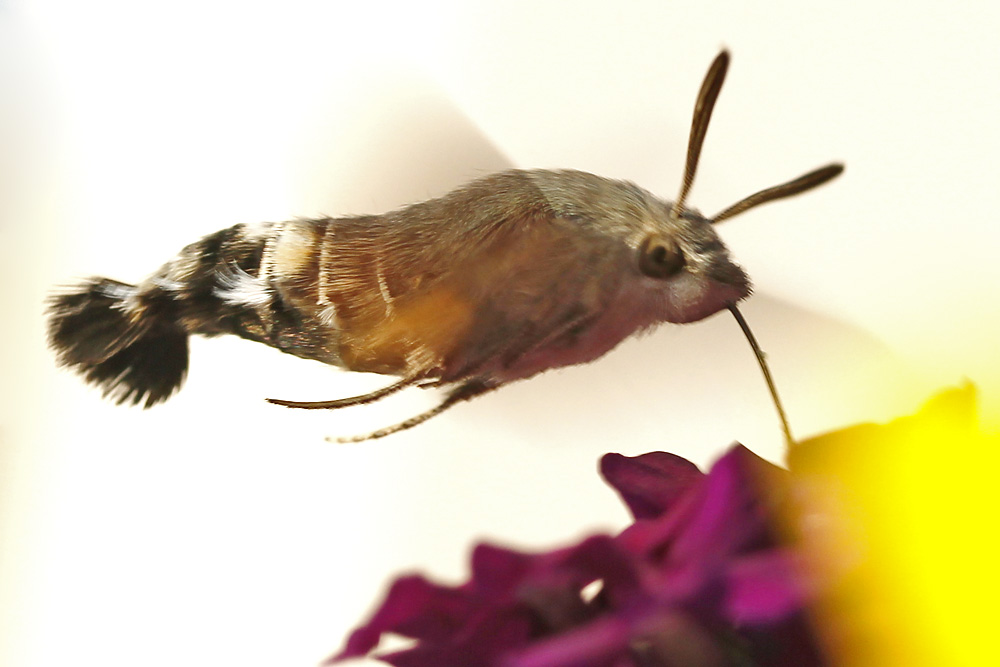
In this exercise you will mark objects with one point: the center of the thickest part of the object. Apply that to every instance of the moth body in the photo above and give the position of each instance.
(508, 276)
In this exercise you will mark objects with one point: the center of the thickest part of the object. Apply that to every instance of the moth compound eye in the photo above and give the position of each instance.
(660, 258)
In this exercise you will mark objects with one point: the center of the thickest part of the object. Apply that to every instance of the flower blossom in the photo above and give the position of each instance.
(702, 577)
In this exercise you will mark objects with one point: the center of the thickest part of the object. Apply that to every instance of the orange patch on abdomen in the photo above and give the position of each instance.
(416, 336)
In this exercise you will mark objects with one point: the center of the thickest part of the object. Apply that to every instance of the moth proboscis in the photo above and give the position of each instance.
(503, 278)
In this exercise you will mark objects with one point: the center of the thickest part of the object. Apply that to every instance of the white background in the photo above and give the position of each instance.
(219, 530)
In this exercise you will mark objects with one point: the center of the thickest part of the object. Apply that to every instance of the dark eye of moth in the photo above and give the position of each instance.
(660, 258)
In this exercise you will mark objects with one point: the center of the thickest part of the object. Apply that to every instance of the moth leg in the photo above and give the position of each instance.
(347, 402)
(463, 392)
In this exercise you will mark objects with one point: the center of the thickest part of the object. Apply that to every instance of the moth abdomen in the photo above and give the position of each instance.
(132, 359)
(131, 340)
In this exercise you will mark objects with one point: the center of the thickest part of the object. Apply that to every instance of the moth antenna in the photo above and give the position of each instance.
(801, 184)
(347, 402)
(789, 440)
(709, 92)
(464, 392)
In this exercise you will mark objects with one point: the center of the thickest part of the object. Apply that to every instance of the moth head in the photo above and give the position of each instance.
(683, 267)
(681, 248)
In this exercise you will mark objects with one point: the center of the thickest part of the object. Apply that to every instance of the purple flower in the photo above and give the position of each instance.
(700, 578)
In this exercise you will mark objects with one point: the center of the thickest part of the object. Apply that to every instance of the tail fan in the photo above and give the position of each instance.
(131, 351)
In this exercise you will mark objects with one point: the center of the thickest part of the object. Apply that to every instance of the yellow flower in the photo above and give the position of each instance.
(900, 521)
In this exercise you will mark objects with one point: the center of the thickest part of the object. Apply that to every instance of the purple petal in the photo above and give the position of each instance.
(765, 588)
(414, 607)
(482, 643)
(501, 574)
(601, 557)
(732, 513)
(592, 644)
(496, 570)
(651, 483)
(552, 588)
